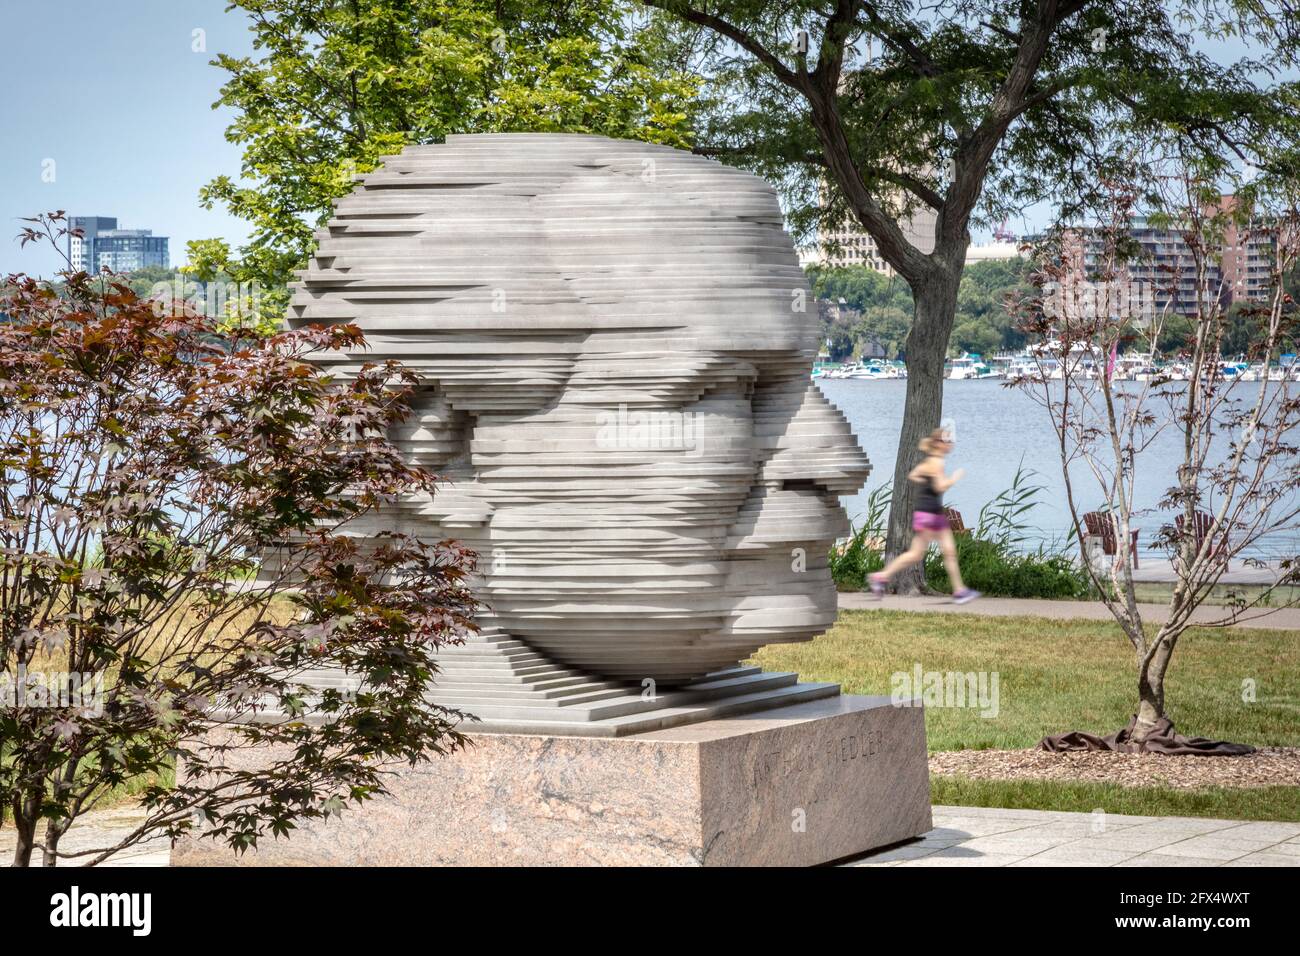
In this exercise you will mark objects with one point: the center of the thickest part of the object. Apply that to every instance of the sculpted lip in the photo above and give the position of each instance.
(616, 341)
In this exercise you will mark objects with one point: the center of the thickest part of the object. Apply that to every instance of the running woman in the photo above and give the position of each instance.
(929, 521)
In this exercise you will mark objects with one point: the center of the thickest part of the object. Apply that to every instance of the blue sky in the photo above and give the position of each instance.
(115, 95)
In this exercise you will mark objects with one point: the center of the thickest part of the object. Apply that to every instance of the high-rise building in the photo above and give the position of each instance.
(1164, 273)
(102, 245)
(851, 245)
(855, 247)
(81, 248)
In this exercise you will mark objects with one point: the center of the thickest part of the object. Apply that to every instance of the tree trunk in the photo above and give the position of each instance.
(26, 843)
(25, 824)
(53, 834)
(1151, 689)
(935, 307)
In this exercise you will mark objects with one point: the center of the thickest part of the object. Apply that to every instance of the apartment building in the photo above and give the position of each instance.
(102, 245)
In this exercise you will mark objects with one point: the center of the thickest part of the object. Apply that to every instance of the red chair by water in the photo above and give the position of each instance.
(954, 521)
(1104, 526)
(1202, 525)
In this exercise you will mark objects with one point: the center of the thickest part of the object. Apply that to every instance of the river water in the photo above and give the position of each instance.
(998, 429)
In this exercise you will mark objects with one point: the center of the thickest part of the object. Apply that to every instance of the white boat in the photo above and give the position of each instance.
(1233, 371)
(1128, 365)
(859, 372)
(1032, 366)
(969, 366)
(1083, 361)
(872, 371)
(1024, 366)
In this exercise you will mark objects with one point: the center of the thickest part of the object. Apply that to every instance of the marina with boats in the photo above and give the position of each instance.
(1131, 366)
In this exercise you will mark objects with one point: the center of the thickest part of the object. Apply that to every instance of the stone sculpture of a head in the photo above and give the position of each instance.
(615, 340)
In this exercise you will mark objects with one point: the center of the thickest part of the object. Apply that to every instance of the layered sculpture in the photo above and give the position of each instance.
(615, 340)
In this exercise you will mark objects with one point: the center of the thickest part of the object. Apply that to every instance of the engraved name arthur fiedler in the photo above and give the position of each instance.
(771, 766)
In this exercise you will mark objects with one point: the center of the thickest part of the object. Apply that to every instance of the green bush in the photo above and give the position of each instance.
(994, 568)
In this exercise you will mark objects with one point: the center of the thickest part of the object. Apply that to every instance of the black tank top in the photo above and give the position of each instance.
(930, 499)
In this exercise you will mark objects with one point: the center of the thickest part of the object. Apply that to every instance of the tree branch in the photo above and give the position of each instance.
(1010, 101)
(798, 80)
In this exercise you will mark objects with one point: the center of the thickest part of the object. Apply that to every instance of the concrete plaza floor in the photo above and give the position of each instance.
(984, 836)
(962, 836)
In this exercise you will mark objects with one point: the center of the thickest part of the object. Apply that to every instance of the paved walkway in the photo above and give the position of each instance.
(1277, 618)
(962, 836)
(982, 836)
(95, 830)
(1161, 570)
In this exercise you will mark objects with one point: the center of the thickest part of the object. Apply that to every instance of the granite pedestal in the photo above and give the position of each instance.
(798, 785)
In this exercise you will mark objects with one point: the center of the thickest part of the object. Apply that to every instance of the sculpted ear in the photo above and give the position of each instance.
(645, 376)
(498, 375)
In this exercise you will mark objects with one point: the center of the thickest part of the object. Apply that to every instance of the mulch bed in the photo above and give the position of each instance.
(1268, 767)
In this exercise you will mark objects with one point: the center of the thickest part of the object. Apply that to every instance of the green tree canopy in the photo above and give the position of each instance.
(337, 85)
(982, 322)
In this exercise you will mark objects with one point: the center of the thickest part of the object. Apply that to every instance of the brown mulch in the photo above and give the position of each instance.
(1268, 767)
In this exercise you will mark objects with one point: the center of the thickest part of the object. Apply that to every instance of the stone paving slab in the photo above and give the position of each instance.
(962, 836)
(1281, 619)
(979, 836)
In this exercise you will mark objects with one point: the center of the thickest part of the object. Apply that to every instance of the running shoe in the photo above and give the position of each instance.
(965, 596)
(877, 582)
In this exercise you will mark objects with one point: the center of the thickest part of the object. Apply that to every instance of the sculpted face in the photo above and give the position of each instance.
(616, 341)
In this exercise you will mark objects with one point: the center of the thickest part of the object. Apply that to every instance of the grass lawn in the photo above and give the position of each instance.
(1056, 676)
(1220, 803)
(1151, 592)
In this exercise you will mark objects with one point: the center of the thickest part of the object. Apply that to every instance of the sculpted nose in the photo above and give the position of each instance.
(807, 440)
(810, 457)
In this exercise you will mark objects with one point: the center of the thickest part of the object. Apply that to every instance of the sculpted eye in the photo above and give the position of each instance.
(799, 484)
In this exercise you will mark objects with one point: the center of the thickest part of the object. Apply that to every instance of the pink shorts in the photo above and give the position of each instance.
(929, 521)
